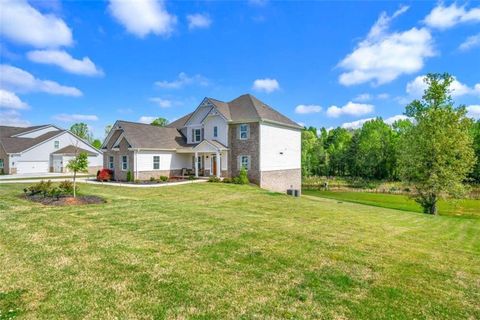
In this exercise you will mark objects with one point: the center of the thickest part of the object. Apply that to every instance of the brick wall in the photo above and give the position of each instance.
(249, 147)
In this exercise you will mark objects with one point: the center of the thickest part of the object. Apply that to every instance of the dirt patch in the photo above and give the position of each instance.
(66, 200)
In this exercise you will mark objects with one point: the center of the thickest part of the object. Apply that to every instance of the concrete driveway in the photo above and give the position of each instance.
(39, 176)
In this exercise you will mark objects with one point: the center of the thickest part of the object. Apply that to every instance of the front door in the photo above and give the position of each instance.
(214, 166)
(57, 165)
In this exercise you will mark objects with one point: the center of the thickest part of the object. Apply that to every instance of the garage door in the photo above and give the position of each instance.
(32, 167)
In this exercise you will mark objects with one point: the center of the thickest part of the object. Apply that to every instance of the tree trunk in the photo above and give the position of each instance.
(74, 184)
(433, 207)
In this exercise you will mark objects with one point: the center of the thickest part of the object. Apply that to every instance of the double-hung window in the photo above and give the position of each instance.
(124, 163)
(156, 162)
(245, 162)
(244, 131)
(56, 144)
(110, 163)
(1, 164)
(197, 135)
(215, 132)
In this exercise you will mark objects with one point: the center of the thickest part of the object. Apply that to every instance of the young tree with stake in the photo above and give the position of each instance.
(78, 164)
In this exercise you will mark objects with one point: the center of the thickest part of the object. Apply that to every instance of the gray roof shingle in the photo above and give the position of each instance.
(16, 145)
(146, 136)
(244, 108)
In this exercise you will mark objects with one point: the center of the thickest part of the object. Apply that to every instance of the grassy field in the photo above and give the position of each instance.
(217, 251)
(467, 208)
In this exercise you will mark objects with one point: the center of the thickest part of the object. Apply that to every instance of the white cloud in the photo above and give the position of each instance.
(75, 117)
(383, 56)
(142, 17)
(368, 97)
(416, 88)
(9, 100)
(146, 119)
(266, 85)
(22, 23)
(473, 111)
(197, 21)
(359, 123)
(393, 119)
(162, 103)
(12, 118)
(65, 61)
(350, 109)
(470, 42)
(18, 80)
(183, 80)
(355, 124)
(442, 17)
(306, 109)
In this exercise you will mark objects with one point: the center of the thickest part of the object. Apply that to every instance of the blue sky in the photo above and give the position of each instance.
(323, 64)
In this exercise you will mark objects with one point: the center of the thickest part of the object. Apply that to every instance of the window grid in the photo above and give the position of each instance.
(156, 162)
(244, 131)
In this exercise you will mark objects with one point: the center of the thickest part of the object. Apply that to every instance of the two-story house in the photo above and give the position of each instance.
(217, 138)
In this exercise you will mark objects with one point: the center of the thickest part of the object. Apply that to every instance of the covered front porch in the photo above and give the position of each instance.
(208, 158)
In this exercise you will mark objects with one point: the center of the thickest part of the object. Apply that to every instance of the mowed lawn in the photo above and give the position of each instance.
(217, 251)
(466, 208)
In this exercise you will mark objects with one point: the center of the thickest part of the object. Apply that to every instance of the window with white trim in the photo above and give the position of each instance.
(56, 144)
(245, 162)
(215, 132)
(110, 163)
(244, 131)
(1, 164)
(197, 135)
(124, 163)
(156, 162)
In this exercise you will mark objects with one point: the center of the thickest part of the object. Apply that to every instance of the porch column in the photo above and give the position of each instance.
(196, 164)
(217, 159)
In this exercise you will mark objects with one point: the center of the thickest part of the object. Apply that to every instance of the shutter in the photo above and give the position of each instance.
(202, 134)
(193, 135)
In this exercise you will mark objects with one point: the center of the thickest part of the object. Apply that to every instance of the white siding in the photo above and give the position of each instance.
(280, 148)
(168, 160)
(42, 152)
(38, 133)
(221, 124)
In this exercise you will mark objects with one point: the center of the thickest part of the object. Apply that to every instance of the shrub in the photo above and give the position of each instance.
(2, 172)
(152, 179)
(66, 187)
(56, 192)
(43, 187)
(243, 177)
(227, 180)
(192, 178)
(164, 178)
(214, 179)
(105, 175)
(129, 176)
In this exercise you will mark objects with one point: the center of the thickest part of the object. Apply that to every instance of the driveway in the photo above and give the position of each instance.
(37, 176)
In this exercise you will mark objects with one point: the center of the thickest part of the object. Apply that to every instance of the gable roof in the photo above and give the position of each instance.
(73, 151)
(146, 136)
(13, 144)
(244, 108)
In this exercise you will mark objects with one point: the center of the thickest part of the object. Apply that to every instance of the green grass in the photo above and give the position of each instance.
(461, 208)
(218, 251)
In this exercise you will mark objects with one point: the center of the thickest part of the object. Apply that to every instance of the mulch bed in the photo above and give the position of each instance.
(66, 201)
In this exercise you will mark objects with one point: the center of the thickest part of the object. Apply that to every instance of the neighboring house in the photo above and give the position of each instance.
(217, 138)
(42, 149)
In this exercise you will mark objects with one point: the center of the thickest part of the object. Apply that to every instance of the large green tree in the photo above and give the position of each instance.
(159, 122)
(436, 154)
(81, 130)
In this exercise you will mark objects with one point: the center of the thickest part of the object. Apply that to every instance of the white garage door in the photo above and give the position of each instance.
(32, 167)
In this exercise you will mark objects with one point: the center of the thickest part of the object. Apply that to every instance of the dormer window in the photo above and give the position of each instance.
(197, 135)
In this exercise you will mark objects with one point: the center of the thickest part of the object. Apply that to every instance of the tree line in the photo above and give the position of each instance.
(436, 149)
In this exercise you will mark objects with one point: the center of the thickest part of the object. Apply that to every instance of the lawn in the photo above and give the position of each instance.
(217, 251)
(467, 208)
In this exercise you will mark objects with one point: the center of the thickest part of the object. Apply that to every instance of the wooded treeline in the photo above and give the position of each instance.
(370, 152)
